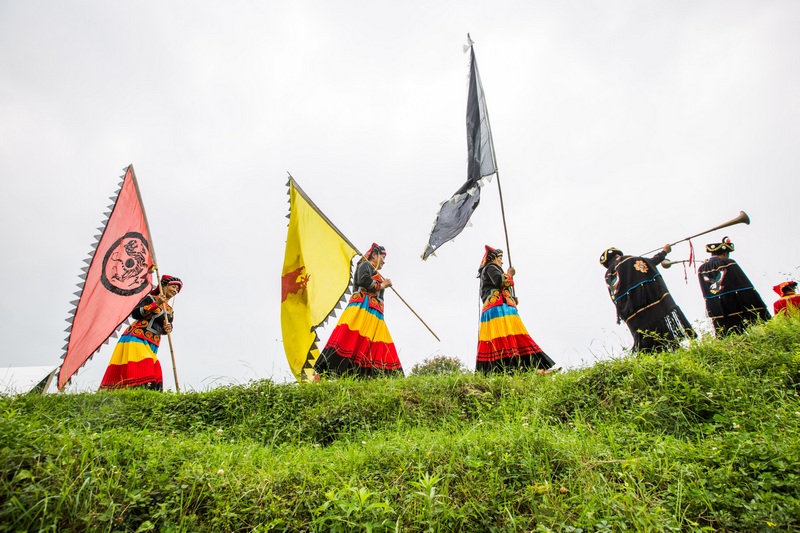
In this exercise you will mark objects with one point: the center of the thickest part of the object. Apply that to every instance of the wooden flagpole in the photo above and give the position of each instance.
(502, 209)
(158, 276)
(354, 247)
(494, 158)
(415, 313)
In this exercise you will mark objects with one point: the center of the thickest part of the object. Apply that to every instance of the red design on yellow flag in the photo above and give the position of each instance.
(117, 278)
(293, 282)
(314, 279)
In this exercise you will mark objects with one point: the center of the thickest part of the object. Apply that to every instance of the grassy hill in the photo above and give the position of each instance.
(703, 439)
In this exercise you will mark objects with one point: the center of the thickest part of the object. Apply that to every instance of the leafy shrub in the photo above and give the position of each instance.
(439, 365)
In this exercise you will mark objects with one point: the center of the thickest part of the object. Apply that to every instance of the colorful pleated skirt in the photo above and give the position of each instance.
(504, 344)
(360, 345)
(134, 363)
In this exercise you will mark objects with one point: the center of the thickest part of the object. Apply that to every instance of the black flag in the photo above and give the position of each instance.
(455, 212)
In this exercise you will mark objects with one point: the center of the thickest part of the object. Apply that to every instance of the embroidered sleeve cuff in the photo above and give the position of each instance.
(149, 308)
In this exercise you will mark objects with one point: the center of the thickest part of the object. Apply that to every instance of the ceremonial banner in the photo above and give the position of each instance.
(456, 212)
(116, 279)
(314, 280)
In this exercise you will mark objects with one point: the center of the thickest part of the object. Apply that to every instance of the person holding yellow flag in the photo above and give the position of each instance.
(361, 345)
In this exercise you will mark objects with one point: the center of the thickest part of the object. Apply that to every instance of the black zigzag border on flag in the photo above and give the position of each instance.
(311, 358)
(79, 293)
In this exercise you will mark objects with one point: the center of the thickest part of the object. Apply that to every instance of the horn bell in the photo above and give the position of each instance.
(743, 218)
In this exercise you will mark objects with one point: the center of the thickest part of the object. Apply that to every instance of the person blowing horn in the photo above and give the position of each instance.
(643, 301)
(731, 300)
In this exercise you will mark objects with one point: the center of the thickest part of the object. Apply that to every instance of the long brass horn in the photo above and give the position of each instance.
(742, 218)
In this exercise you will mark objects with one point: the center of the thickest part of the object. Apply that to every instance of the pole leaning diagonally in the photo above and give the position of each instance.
(415, 314)
(318, 210)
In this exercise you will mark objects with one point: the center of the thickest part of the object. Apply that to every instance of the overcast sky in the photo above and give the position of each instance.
(615, 123)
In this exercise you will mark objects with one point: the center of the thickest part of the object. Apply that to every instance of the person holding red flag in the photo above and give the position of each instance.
(134, 362)
(504, 344)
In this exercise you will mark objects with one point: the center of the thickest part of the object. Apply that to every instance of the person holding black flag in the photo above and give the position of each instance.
(504, 344)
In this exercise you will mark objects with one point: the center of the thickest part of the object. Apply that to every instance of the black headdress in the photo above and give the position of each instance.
(608, 255)
(718, 247)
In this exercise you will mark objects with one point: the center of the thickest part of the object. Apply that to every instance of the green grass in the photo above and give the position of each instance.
(701, 439)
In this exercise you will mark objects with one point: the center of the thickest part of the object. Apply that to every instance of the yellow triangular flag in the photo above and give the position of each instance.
(315, 276)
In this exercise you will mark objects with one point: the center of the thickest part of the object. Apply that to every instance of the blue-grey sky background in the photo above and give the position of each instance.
(615, 123)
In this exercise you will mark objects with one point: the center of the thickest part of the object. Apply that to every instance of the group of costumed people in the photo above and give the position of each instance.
(656, 322)
(361, 345)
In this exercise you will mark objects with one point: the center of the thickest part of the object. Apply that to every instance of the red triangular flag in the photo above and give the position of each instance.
(117, 279)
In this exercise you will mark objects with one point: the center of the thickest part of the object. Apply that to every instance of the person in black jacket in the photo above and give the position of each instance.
(643, 301)
(731, 300)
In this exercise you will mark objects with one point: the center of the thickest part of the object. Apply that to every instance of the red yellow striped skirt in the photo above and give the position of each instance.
(360, 344)
(133, 363)
(503, 342)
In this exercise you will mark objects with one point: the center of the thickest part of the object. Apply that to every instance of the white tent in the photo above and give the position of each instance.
(24, 379)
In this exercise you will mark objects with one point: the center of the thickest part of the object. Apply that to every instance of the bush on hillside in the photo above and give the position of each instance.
(439, 365)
